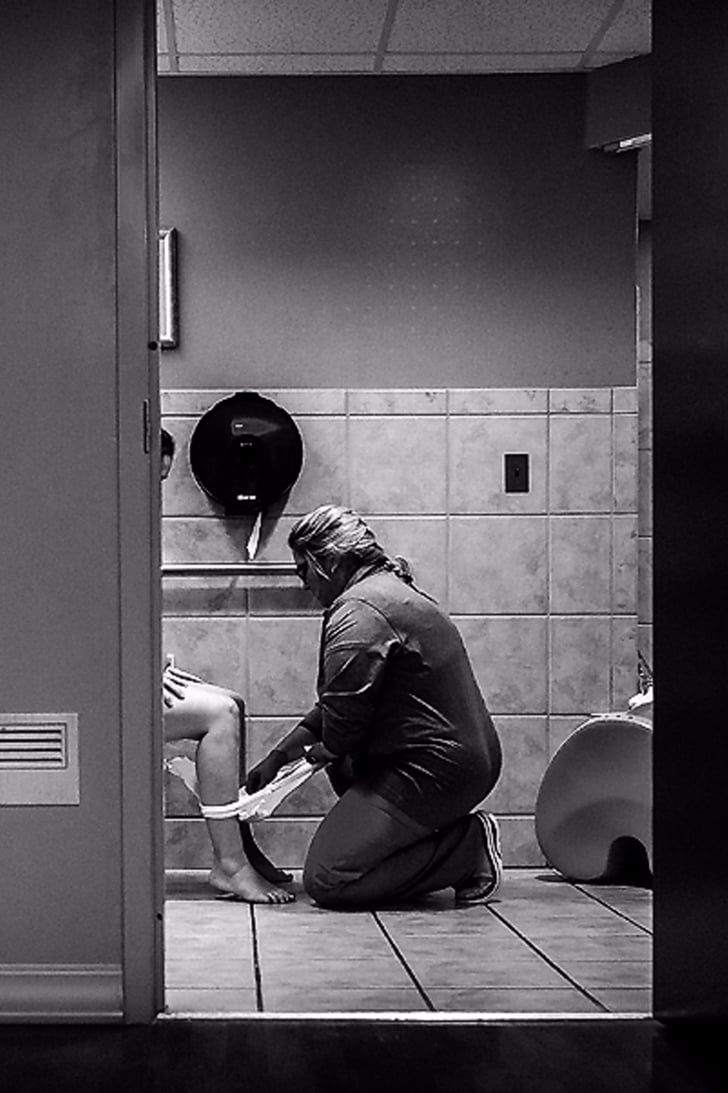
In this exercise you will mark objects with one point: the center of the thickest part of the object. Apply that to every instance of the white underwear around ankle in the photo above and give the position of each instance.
(249, 806)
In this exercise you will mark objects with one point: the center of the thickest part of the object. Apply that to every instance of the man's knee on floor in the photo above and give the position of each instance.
(326, 886)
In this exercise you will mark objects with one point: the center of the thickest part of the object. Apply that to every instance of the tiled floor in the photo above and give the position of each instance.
(544, 946)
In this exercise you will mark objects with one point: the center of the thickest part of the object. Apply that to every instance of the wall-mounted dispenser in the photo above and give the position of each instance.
(245, 453)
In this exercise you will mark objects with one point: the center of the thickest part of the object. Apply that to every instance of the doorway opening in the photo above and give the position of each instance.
(548, 946)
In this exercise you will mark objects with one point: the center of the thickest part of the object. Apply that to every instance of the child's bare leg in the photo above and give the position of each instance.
(211, 717)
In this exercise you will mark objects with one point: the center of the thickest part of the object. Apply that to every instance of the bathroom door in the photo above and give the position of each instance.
(140, 507)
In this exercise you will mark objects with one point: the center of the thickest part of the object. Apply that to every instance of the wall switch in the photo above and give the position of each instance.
(516, 472)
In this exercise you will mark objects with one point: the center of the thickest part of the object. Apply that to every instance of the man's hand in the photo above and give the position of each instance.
(264, 771)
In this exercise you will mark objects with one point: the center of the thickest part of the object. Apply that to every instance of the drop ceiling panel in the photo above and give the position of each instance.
(283, 26)
(493, 26)
(276, 64)
(630, 31)
(480, 63)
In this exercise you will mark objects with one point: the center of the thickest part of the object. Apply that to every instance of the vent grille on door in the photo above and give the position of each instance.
(33, 747)
(39, 759)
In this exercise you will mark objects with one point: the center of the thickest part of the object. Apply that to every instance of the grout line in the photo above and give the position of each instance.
(256, 960)
(612, 522)
(547, 960)
(448, 505)
(399, 955)
(614, 910)
(549, 577)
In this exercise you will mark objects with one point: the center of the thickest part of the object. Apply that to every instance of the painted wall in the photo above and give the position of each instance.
(63, 455)
(395, 232)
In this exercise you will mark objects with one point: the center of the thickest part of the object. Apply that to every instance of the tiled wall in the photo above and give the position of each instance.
(644, 598)
(543, 585)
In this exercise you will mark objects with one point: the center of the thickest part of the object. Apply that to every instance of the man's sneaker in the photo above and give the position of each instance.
(481, 887)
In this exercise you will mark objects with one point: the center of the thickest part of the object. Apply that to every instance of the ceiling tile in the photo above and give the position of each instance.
(480, 62)
(285, 26)
(631, 30)
(602, 58)
(491, 26)
(282, 64)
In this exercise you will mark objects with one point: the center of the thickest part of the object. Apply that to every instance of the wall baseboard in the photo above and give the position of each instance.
(61, 992)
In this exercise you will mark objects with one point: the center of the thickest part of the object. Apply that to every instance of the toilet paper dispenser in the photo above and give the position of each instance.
(246, 453)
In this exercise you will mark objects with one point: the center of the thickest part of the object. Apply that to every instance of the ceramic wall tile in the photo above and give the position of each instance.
(423, 542)
(186, 844)
(308, 401)
(644, 492)
(262, 735)
(213, 648)
(199, 539)
(181, 495)
(397, 464)
(323, 478)
(625, 562)
(498, 564)
(580, 463)
(192, 402)
(644, 597)
(560, 729)
(625, 462)
(291, 599)
(625, 400)
(625, 681)
(580, 661)
(204, 596)
(644, 641)
(476, 463)
(282, 665)
(286, 841)
(519, 842)
(178, 801)
(498, 400)
(581, 553)
(584, 400)
(524, 744)
(392, 401)
(508, 654)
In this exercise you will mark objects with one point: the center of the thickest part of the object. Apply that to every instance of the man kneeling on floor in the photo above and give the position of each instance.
(402, 725)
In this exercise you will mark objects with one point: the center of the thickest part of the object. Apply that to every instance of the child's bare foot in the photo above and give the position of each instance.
(245, 884)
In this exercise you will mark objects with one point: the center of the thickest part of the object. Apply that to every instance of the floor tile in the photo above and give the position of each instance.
(286, 1000)
(296, 948)
(625, 1000)
(501, 958)
(607, 948)
(180, 972)
(612, 974)
(310, 974)
(480, 1000)
(514, 973)
(211, 1001)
